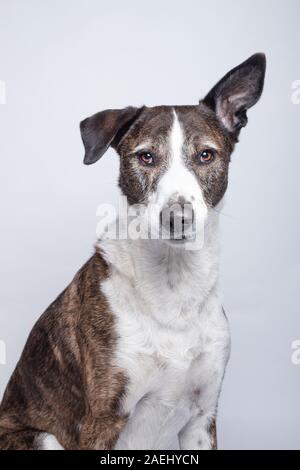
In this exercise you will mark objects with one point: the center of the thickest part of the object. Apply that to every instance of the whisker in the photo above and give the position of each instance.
(224, 213)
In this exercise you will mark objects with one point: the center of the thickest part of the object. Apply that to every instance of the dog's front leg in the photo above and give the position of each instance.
(104, 387)
(101, 433)
(200, 431)
(199, 434)
(206, 378)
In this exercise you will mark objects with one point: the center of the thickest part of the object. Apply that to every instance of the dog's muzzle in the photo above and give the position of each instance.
(177, 219)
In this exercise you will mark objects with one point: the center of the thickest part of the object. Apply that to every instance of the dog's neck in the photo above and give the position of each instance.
(155, 264)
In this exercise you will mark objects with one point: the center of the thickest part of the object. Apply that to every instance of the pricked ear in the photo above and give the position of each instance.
(238, 91)
(105, 129)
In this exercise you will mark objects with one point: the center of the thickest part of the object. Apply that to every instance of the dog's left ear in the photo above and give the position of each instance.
(103, 129)
(238, 91)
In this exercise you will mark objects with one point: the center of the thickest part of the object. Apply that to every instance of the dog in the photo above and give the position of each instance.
(132, 354)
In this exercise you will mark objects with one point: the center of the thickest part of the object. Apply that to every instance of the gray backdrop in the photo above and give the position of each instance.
(64, 60)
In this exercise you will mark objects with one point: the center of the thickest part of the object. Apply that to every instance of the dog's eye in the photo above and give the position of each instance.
(206, 156)
(146, 158)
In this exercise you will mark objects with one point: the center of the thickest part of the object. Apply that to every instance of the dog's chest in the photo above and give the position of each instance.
(156, 357)
(157, 334)
(158, 303)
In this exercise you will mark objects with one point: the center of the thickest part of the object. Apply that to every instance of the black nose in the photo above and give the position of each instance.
(177, 218)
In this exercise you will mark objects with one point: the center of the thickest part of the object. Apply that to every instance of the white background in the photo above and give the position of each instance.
(63, 60)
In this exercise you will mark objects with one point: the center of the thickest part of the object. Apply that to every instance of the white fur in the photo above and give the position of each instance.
(142, 146)
(211, 144)
(47, 441)
(173, 339)
(178, 179)
(173, 336)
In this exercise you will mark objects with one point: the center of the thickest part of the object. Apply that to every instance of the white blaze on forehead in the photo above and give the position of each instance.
(176, 140)
(178, 179)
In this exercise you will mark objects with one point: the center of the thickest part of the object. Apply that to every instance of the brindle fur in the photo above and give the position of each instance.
(66, 383)
(200, 125)
(66, 366)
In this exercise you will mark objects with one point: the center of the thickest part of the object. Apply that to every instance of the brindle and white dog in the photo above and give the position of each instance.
(134, 350)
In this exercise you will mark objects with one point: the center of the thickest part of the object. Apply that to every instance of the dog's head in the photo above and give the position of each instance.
(178, 155)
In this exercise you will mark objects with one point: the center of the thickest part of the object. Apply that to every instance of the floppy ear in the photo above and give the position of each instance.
(238, 91)
(103, 129)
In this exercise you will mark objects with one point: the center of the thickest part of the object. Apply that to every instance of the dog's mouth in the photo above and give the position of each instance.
(176, 242)
(177, 223)
(178, 238)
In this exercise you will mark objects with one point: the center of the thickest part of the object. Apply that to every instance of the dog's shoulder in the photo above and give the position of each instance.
(76, 330)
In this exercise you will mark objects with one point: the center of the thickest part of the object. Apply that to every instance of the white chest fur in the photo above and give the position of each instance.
(169, 322)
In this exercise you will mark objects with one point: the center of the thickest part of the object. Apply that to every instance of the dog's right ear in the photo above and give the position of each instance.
(106, 128)
(237, 92)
